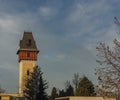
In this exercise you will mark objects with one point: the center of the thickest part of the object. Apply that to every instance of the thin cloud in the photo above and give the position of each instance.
(66, 34)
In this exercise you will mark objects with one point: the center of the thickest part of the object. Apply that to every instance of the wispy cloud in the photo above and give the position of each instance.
(66, 33)
(47, 12)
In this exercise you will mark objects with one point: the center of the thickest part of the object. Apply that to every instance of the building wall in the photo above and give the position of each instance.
(84, 98)
(5, 98)
(25, 66)
(23, 55)
(15, 96)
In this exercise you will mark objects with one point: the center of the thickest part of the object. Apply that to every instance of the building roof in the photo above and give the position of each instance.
(83, 98)
(27, 42)
(10, 94)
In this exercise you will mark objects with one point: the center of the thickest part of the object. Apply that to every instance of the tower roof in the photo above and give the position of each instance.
(27, 42)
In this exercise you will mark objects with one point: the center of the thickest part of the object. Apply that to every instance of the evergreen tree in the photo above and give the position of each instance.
(54, 93)
(35, 85)
(69, 91)
(85, 87)
(62, 93)
(42, 95)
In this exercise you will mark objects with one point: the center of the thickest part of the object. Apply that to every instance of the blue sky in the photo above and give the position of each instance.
(66, 32)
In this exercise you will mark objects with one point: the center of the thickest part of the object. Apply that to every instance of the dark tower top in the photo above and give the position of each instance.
(27, 47)
(27, 42)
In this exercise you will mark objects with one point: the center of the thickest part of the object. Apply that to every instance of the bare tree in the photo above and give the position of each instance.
(76, 80)
(109, 71)
(1, 90)
(67, 84)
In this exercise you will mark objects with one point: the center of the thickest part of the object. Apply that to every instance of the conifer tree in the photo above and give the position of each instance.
(35, 85)
(69, 91)
(54, 93)
(41, 94)
(85, 87)
(62, 93)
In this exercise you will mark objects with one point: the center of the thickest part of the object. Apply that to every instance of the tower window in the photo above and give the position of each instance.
(28, 72)
(29, 42)
(28, 54)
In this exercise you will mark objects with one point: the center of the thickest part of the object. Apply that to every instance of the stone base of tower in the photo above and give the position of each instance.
(26, 67)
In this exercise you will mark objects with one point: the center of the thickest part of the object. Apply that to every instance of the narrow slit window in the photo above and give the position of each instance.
(28, 54)
(28, 72)
(29, 42)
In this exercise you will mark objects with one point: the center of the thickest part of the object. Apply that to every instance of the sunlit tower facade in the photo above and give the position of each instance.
(27, 58)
